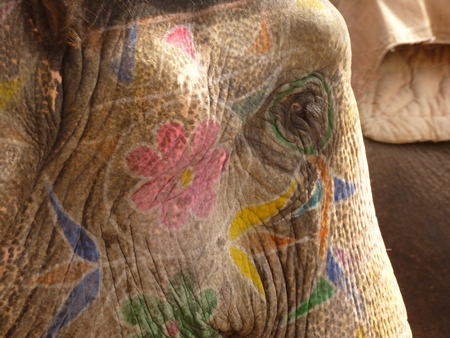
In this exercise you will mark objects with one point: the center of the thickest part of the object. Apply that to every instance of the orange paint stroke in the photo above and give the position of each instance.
(104, 148)
(67, 273)
(327, 201)
(191, 15)
(262, 44)
(257, 243)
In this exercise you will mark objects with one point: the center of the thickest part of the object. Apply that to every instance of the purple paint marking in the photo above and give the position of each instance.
(126, 71)
(334, 271)
(341, 255)
(77, 237)
(342, 190)
(80, 298)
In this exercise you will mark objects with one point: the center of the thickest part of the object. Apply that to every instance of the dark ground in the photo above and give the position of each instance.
(411, 191)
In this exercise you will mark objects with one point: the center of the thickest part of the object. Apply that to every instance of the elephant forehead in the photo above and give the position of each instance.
(219, 62)
(227, 51)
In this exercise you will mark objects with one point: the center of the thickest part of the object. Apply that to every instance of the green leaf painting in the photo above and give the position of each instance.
(183, 312)
(323, 292)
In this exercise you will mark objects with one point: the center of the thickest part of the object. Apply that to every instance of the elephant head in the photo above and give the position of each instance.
(186, 169)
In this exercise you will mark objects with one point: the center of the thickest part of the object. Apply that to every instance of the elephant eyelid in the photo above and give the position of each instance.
(301, 115)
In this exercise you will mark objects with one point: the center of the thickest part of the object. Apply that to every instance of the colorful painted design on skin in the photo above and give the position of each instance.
(79, 240)
(311, 4)
(79, 299)
(251, 216)
(360, 333)
(247, 268)
(181, 38)
(67, 273)
(334, 271)
(182, 313)
(182, 176)
(6, 9)
(341, 255)
(262, 44)
(126, 69)
(327, 192)
(9, 90)
(262, 243)
(320, 9)
(322, 292)
(336, 275)
(249, 105)
(88, 288)
(258, 242)
(314, 201)
(247, 222)
(103, 148)
(324, 289)
(326, 203)
(342, 190)
(246, 219)
(350, 119)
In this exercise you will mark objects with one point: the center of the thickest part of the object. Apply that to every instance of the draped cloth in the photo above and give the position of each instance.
(401, 67)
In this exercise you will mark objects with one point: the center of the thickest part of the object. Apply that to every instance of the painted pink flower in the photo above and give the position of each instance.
(181, 175)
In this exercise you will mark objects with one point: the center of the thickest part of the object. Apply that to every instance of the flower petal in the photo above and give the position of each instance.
(204, 138)
(203, 200)
(174, 212)
(143, 161)
(211, 167)
(172, 142)
(153, 193)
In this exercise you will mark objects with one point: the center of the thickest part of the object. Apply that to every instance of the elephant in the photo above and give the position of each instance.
(186, 169)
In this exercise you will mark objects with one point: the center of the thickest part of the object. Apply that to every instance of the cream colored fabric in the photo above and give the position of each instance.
(401, 67)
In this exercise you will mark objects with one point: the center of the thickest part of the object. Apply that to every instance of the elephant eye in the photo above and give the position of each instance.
(301, 115)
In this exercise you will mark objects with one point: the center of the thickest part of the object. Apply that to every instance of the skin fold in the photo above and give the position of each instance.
(185, 169)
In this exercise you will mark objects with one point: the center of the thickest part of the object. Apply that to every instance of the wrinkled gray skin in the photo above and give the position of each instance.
(171, 169)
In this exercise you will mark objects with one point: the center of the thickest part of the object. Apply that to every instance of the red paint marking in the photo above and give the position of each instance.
(327, 201)
(181, 38)
(191, 15)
